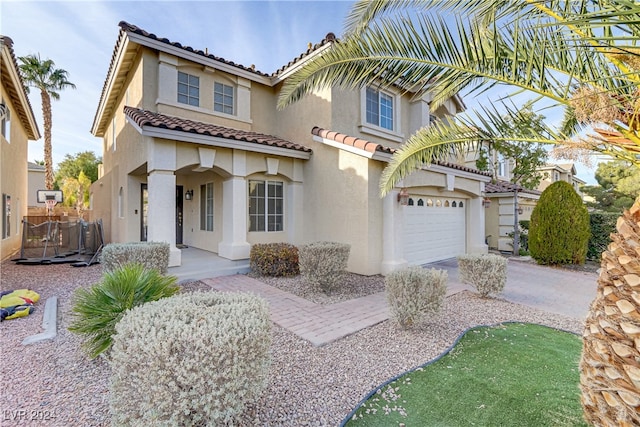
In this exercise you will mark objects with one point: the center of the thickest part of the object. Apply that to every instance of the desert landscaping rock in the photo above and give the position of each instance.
(308, 386)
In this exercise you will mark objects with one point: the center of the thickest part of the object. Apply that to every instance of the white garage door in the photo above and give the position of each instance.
(434, 229)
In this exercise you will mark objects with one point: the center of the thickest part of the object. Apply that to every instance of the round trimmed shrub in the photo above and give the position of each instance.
(192, 359)
(413, 293)
(274, 259)
(559, 229)
(323, 264)
(486, 272)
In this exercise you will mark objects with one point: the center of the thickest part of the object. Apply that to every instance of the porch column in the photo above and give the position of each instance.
(475, 227)
(392, 229)
(162, 212)
(234, 243)
(295, 205)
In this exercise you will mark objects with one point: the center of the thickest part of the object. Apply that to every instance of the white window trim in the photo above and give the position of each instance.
(188, 86)
(203, 202)
(371, 129)
(234, 98)
(266, 200)
(6, 125)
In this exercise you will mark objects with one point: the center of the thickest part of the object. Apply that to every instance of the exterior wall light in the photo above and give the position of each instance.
(520, 211)
(403, 197)
(486, 203)
(188, 195)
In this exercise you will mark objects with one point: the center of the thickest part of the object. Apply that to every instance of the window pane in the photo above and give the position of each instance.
(203, 208)
(386, 111)
(372, 106)
(182, 77)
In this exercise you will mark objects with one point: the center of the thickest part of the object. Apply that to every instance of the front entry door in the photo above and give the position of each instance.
(179, 199)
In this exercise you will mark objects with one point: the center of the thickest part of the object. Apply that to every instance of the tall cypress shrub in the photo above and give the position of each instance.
(559, 230)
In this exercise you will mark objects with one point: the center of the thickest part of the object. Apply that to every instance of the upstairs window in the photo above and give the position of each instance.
(379, 109)
(266, 206)
(223, 98)
(5, 125)
(502, 165)
(188, 89)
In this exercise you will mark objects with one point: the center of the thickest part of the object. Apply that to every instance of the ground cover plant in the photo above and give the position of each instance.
(507, 375)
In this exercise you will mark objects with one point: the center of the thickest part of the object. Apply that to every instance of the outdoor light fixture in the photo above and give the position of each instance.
(520, 211)
(486, 203)
(188, 195)
(403, 197)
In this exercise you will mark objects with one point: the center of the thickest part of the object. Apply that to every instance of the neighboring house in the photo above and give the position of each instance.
(17, 126)
(36, 182)
(560, 172)
(501, 212)
(195, 152)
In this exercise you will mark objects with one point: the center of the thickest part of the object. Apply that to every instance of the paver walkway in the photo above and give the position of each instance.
(316, 323)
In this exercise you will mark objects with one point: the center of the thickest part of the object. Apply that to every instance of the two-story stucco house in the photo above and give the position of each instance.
(196, 153)
(560, 172)
(17, 126)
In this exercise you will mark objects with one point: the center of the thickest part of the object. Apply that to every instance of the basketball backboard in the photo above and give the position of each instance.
(44, 195)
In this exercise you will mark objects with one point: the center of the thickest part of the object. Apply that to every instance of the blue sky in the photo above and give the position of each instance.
(79, 36)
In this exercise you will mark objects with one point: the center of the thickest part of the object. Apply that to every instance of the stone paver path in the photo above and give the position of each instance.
(316, 323)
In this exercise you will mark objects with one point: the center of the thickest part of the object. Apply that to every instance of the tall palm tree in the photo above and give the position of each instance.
(580, 56)
(43, 75)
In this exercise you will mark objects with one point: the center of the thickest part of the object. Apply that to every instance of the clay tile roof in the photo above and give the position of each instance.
(125, 26)
(329, 38)
(24, 111)
(373, 147)
(507, 187)
(148, 118)
(363, 144)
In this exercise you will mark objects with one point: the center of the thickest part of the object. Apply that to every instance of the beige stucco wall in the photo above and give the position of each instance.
(13, 178)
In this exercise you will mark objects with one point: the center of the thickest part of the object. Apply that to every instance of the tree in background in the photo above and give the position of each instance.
(528, 157)
(619, 186)
(76, 192)
(74, 177)
(559, 229)
(72, 165)
(43, 75)
(581, 56)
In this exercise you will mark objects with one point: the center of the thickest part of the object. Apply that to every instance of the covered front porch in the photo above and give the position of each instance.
(200, 264)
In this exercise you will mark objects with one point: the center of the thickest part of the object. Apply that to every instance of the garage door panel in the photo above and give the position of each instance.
(433, 233)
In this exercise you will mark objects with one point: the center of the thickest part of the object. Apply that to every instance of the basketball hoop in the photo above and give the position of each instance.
(50, 205)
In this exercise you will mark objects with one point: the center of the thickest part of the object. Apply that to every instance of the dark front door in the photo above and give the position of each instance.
(179, 199)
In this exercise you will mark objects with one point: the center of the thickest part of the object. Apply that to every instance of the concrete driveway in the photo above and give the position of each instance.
(555, 290)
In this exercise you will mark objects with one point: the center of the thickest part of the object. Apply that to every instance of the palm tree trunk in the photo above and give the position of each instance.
(48, 161)
(610, 364)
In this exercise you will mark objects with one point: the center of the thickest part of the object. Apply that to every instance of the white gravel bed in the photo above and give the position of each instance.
(309, 386)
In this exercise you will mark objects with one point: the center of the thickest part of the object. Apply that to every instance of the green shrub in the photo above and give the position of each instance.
(486, 272)
(274, 259)
(97, 310)
(149, 254)
(322, 264)
(413, 293)
(559, 230)
(602, 225)
(192, 359)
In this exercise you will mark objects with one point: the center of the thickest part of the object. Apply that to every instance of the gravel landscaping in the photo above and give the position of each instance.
(309, 386)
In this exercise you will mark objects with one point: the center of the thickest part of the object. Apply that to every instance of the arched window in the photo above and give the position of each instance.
(410, 201)
(454, 204)
(446, 203)
(438, 203)
(461, 205)
(420, 202)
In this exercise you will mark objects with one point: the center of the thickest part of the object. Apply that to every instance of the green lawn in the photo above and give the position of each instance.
(509, 375)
